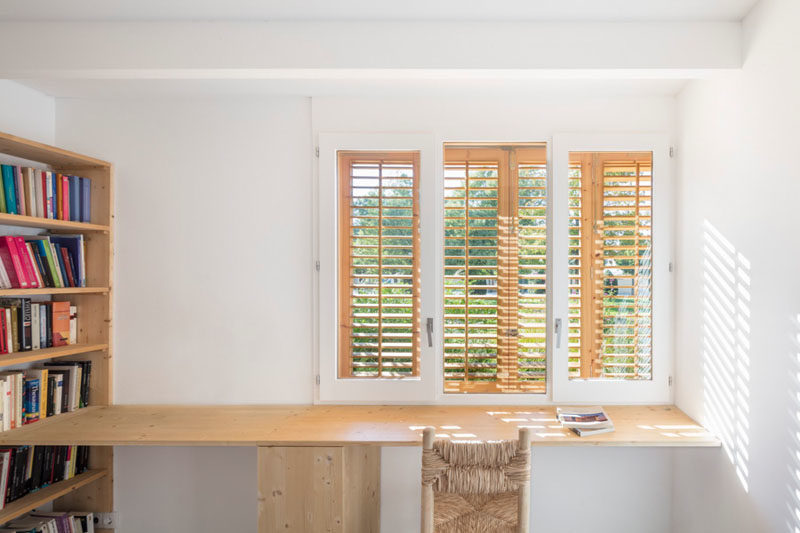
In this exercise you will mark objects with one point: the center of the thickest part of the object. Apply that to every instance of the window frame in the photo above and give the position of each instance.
(599, 390)
(428, 388)
(331, 388)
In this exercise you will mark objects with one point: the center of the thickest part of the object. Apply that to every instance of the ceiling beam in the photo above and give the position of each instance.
(370, 50)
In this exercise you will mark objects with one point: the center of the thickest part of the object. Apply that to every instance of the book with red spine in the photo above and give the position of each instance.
(45, 203)
(64, 196)
(12, 262)
(22, 250)
(68, 267)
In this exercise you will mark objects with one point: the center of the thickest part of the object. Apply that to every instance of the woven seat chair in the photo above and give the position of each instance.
(476, 487)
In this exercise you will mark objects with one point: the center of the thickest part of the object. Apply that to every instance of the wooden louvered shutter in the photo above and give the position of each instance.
(379, 269)
(611, 265)
(474, 208)
(529, 258)
(495, 259)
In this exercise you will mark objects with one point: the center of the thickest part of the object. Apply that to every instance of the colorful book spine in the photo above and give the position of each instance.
(20, 190)
(11, 262)
(8, 189)
(86, 200)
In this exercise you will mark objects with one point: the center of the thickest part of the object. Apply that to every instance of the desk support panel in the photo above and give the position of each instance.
(312, 489)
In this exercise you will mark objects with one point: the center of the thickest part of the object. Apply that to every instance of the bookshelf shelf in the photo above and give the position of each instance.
(51, 290)
(47, 223)
(19, 358)
(93, 490)
(36, 499)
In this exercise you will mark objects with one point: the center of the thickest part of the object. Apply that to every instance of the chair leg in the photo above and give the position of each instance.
(427, 490)
(524, 502)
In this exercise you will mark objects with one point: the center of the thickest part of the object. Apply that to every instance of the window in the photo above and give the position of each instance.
(446, 270)
(494, 269)
(610, 265)
(379, 265)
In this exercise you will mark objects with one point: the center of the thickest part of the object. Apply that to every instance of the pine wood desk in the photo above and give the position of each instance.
(319, 466)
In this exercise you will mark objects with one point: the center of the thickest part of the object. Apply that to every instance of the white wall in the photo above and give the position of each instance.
(179, 162)
(26, 113)
(598, 482)
(213, 267)
(738, 290)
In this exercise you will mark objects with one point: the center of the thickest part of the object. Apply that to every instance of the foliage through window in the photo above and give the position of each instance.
(610, 258)
(379, 332)
(495, 259)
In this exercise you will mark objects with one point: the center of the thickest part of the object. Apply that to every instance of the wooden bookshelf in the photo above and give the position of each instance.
(46, 223)
(47, 354)
(93, 490)
(39, 498)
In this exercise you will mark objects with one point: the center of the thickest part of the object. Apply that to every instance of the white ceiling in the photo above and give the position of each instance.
(566, 10)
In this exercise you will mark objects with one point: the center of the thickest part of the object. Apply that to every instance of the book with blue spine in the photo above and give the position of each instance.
(86, 200)
(74, 245)
(74, 199)
(30, 403)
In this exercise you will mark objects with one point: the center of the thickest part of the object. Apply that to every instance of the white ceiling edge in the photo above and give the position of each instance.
(511, 10)
(442, 88)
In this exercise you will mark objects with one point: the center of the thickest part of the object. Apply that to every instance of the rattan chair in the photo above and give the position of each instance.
(476, 487)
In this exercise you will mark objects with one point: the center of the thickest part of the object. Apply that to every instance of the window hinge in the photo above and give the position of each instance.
(316, 151)
(669, 381)
(317, 380)
(672, 151)
(316, 266)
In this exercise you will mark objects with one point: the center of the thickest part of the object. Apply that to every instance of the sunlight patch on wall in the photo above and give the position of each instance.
(726, 346)
(793, 463)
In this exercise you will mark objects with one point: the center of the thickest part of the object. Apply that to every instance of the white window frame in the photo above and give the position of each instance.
(428, 388)
(658, 389)
(331, 388)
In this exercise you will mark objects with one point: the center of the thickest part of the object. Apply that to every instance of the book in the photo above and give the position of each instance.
(60, 314)
(8, 189)
(86, 202)
(45, 194)
(30, 468)
(585, 421)
(27, 325)
(30, 401)
(42, 375)
(11, 261)
(20, 190)
(27, 265)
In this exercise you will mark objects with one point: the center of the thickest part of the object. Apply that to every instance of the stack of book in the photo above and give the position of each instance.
(44, 194)
(27, 396)
(41, 522)
(33, 261)
(28, 325)
(585, 421)
(25, 469)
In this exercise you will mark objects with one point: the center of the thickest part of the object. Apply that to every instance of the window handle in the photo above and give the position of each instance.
(429, 329)
(558, 332)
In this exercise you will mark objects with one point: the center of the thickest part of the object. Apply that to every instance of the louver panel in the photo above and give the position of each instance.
(495, 261)
(611, 265)
(472, 269)
(379, 264)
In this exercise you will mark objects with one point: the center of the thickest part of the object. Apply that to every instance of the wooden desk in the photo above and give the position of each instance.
(347, 425)
(319, 466)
